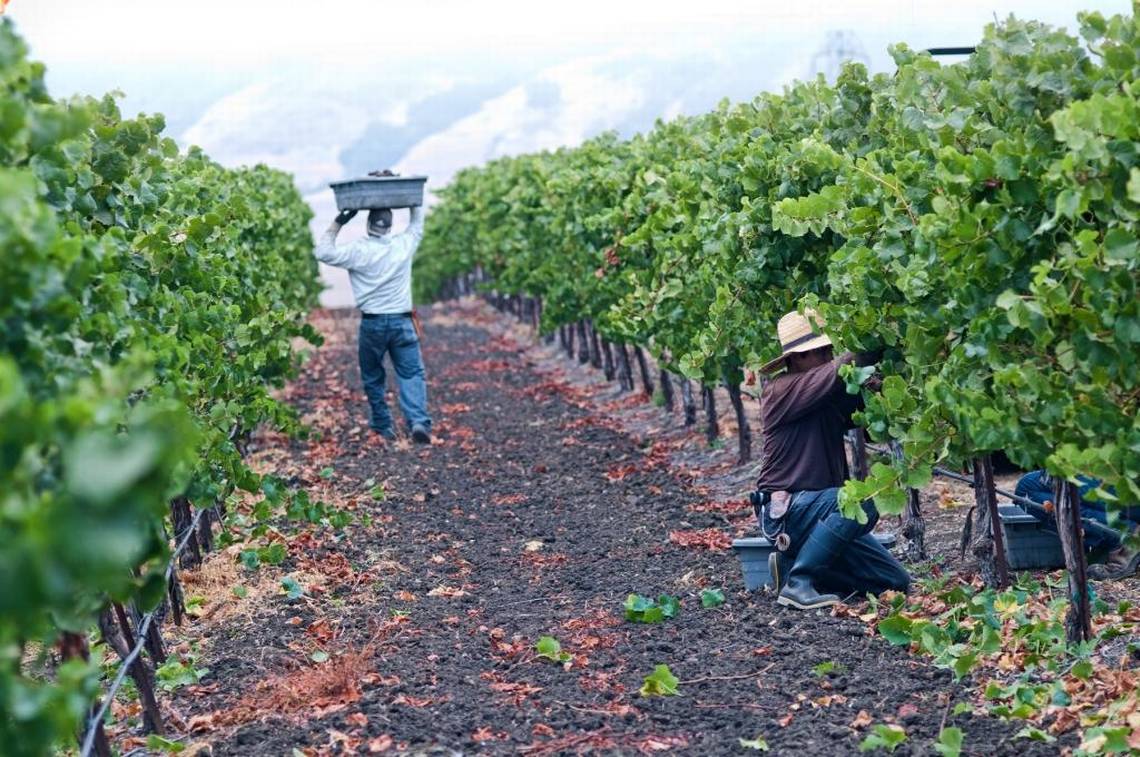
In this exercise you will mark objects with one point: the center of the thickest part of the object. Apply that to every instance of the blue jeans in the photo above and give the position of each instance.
(1099, 537)
(862, 564)
(396, 336)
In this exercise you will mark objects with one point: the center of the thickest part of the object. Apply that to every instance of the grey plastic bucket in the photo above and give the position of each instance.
(369, 192)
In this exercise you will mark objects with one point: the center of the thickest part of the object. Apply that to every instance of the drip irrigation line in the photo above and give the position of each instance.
(141, 635)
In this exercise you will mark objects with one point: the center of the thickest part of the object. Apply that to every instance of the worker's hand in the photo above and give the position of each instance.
(345, 216)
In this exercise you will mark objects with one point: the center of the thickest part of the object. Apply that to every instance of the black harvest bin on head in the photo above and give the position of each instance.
(370, 192)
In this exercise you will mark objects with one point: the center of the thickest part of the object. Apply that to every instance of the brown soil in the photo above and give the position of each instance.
(547, 498)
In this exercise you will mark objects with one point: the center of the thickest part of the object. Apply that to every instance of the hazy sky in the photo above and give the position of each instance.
(320, 88)
(177, 57)
(247, 34)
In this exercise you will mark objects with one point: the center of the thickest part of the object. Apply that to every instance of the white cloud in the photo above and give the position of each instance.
(585, 101)
(274, 123)
(673, 109)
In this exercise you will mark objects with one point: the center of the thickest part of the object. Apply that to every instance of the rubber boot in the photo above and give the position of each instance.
(817, 553)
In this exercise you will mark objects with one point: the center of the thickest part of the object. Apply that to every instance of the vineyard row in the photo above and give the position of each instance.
(976, 221)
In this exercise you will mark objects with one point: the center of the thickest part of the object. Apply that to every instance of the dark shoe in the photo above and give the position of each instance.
(800, 593)
(776, 569)
(420, 435)
(386, 434)
(1121, 563)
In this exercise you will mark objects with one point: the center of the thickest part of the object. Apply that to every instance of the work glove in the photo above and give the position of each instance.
(345, 216)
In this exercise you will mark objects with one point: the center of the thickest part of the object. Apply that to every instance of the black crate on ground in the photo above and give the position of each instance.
(1028, 545)
(753, 555)
(369, 192)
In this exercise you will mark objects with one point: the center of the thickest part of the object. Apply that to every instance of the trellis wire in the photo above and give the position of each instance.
(1015, 498)
(140, 641)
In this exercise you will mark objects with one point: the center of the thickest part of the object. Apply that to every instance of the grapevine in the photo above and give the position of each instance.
(150, 302)
(977, 221)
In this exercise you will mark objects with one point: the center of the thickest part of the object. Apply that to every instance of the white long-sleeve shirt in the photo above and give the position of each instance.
(379, 268)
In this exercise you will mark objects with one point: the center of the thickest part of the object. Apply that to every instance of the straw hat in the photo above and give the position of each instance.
(797, 335)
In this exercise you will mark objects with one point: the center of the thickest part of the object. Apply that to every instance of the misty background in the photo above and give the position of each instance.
(333, 90)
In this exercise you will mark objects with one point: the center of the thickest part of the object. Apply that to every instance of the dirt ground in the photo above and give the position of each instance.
(547, 498)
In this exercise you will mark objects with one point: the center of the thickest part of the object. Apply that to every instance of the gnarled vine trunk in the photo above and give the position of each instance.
(74, 646)
(608, 367)
(181, 517)
(743, 429)
(667, 391)
(708, 399)
(595, 346)
(688, 403)
(988, 546)
(913, 528)
(860, 467)
(1067, 511)
(139, 672)
(643, 366)
(625, 373)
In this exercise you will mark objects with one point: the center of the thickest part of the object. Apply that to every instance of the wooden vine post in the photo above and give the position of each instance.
(1067, 511)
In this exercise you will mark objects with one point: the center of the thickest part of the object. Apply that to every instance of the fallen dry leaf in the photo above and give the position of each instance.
(199, 723)
(381, 743)
(450, 592)
(712, 539)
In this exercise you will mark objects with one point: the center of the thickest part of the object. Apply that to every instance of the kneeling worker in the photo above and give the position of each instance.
(1121, 559)
(805, 411)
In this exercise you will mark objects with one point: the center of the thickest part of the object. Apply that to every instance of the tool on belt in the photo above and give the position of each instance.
(419, 327)
(775, 504)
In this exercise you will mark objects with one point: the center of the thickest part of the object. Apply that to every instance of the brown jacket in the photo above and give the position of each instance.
(804, 416)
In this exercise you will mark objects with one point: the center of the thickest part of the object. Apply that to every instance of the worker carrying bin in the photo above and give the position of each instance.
(380, 270)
